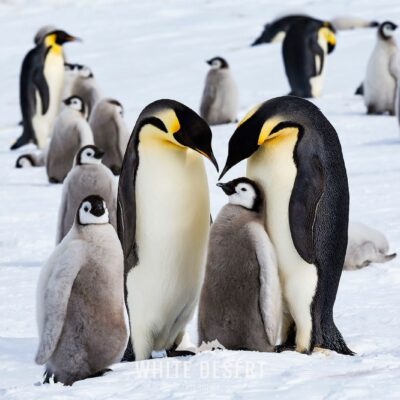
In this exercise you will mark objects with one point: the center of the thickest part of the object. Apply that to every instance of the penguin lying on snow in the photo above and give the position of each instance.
(110, 132)
(382, 72)
(366, 245)
(88, 176)
(305, 47)
(294, 154)
(35, 159)
(71, 132)
(80, 299)
(241, 300)
(220, 101)
(163, 224)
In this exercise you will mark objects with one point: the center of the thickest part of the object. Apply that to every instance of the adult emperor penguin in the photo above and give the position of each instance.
(88, 176)
(294, 154)
(41, 83)
(110, 132)
(80, 299)
(381, 78)
(163, 223)
(241, 301)
(71, 132)
(220, 101)
(304, 49)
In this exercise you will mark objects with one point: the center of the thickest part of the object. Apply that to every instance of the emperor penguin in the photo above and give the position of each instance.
(294, 154)
(110, 132)
(163, 223)
(88, 176)
(241, 301)
(381, 79)
(41, 84)
(220, 101)
(80, 299)
(306, 45)
(71, 132)
(366, 245)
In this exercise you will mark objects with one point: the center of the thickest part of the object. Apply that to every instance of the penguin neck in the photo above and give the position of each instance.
(55, 48)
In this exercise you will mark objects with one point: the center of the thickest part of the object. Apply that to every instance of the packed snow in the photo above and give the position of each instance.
(145, 50)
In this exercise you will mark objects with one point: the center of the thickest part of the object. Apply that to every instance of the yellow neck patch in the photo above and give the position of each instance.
(266, 129)
(170, 120)
(327, 35)
(50, 41)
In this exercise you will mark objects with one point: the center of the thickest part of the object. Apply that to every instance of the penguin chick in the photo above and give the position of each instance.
(71, 132)
(110, 132)
(381, 78)
(80, 299)
(88, 176)
(346, 22)
(241, 300)
(220, 101)
(365, 246)
(34, 159)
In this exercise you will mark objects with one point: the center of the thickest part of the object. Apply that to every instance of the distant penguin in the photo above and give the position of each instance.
(41, 83)
(366, 245)
(381, 79)
(305, 48)
(34, 159)
(71, 71)
(241, 300)
(88, 176)
(343, 23)
(80, 299)
(220, 101)
(110, 132)
(71, 132)
(163, 224)
(295, 155)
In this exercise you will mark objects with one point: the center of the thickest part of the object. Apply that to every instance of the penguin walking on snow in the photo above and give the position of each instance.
(295, 155)
(163, 224)
(80, 299)
(110, 132)
(71, 132)
(241, 300)
(88, 176)
(41, 83)
(220, 101)
(306, 45)
(380, 82)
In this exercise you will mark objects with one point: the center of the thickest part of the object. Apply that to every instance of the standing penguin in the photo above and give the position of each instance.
(110, 132)
(381, 80)
(163, 223)
(294, 154)
(241, 301)
(41, 83)
(88, 176)
(305, 47)
(80, 299)
(71, 132)
(220, 102)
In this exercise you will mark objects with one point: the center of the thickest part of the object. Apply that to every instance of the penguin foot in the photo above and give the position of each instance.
(48, 376)
(179, 353)
(100, 373)
(53, 180)
(284, 347)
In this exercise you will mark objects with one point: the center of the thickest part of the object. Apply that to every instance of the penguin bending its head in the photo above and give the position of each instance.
(241, 301)
(80, 299)
(295, 155)
(71, 131)
(382, 72)
(163, 223)
(88, 176)
(220, 101)
(306, 45)
(110, 132)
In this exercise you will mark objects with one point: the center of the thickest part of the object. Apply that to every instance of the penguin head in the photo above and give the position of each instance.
(76, 103)
(327, 32)
(89, 155)
(218, 63)
(92, 210)
(386, 30)
(243, 192)
(59, 37)
(118, 106)
(24, 161)
(42, 32)
(173, 125)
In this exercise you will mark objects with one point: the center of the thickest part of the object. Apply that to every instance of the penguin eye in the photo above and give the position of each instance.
(86, 208)
(244, 190)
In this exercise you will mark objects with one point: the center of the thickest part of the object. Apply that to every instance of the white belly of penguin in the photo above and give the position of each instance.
(317, 81)
(273, 167)
(173, 218)
(54, 74)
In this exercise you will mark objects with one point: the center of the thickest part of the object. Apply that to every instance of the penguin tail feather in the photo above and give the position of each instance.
(333, 340)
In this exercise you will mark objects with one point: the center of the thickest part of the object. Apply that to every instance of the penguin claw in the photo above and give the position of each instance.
(283, 347)
(179, 353)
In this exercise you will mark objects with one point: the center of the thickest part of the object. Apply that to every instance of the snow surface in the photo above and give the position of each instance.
(144, 50)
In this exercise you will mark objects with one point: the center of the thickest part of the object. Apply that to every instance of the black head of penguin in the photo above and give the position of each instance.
(386, 30)
(59, 37)
(218, 63)
(75, 102)
(92, 210)
(89, 152)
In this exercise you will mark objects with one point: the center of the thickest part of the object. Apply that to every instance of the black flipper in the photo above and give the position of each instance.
(360, 90)
(41, 84)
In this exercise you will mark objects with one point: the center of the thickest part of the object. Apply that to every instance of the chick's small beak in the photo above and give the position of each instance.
(228, 188)
(99, 153)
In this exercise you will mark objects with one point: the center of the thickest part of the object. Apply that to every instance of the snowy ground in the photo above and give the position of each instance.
(144, 50)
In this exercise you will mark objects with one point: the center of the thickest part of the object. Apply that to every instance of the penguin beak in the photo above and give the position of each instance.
(209, 62)
(99, 154)
(228, 188)
(98, 209)
(70, 38)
